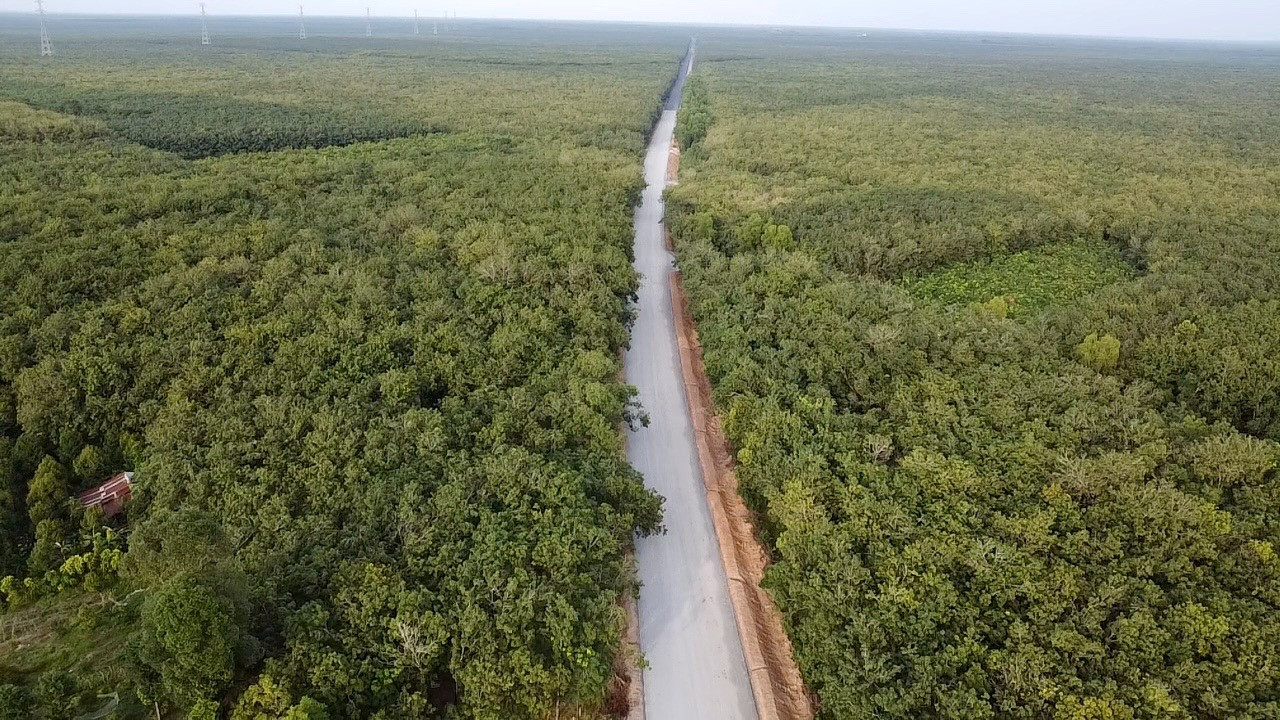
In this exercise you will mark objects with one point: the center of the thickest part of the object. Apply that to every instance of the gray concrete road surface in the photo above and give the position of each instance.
(687, 628)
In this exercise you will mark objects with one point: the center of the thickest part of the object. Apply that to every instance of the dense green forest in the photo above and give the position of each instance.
(368, 379)
(993, 324)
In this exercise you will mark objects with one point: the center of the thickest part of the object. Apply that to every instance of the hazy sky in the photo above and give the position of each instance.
(1217, 19)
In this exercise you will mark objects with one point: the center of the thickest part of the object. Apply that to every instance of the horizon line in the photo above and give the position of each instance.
(684, 23)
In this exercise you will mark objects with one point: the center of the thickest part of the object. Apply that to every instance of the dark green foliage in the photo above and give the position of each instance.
(371, 391)
(1064, 509)
(13, 518)
(189, 640)
(194, 630)
(89, 466)
(198, 126)
(49, 509)
(1224, 364)
(58, 695)
(169, 544)
(694, 120)
(48, 551)
(15, 703)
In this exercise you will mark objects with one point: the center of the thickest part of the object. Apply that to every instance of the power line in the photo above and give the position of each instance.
(46, 47)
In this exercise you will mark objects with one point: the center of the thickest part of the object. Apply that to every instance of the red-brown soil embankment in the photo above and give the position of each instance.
(775, 678)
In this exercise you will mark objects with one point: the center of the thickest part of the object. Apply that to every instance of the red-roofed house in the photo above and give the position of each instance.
(110, 495)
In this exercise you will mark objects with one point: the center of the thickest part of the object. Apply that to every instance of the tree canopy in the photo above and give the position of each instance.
(362, 354)
(980, 507)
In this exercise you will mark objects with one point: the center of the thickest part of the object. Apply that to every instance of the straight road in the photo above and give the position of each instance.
(687, 629)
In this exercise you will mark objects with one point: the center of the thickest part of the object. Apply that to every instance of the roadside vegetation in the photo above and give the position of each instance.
(992, 325)
(368, 381)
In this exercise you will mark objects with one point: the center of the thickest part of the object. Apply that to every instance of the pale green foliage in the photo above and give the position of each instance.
(269, 700)
(751, 232)
(1234, 460)
(203, 710)
(96, 569)
(702, 227)
(778, 237)
(996, 307)
(19, 122)
(758, 232)
(1101, 353)
(307, 709)
(1033, 279)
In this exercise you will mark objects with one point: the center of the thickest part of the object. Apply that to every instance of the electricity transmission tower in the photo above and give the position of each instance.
(204, 27)
(302, 25)
(415, 22)
(368, 22)
(46, 47)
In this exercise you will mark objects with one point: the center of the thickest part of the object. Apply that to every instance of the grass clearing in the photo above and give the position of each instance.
(82, 634)
(1034, 279)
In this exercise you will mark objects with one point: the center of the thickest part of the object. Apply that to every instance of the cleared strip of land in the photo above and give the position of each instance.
(688, 632)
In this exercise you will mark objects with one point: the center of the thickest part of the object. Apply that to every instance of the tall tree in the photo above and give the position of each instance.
(49, 494)
(188, 641)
